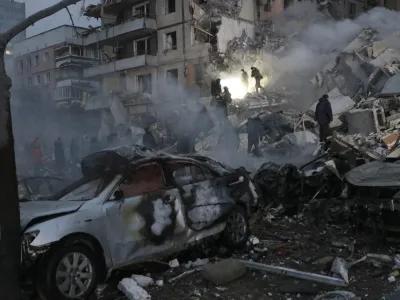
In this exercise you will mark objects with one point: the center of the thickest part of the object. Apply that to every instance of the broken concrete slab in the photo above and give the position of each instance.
(295, 273)
(392, 86)
(224, 271)
(132, 290)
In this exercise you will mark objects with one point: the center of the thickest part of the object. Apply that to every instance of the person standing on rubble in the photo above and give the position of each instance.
(216, 89)
(245, 79)
(59, 155)
(255, 73)
(226, 98)
(148, 139)
(323, 115)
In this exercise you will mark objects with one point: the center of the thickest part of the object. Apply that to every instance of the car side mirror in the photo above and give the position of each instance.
(118, 194)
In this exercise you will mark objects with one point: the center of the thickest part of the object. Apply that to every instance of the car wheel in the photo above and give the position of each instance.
(71, 273)
(237, 230)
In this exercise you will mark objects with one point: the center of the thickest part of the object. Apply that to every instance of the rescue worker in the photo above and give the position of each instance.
(255, 73)
(254, 130)
(148, 139)
(185, 145)
(216, 87)
(245, 79)
(226, 99)
(323, 115)
(59, 155)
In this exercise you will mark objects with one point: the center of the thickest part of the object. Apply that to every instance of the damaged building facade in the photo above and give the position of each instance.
(48, 74)
(144, 46)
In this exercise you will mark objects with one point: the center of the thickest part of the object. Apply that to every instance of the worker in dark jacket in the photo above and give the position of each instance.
(255, 73)
(148, 139)
(254, 130)
(323, 115)
(216, 89)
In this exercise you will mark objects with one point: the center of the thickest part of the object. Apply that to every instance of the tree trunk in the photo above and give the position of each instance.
(10, 229)
(10, 243)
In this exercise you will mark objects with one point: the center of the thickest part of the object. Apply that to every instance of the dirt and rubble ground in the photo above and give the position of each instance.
(305, 247)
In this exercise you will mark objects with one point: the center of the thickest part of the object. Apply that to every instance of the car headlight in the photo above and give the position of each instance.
(29, 237)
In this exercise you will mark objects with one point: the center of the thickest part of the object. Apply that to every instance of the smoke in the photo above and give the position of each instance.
(315, 42)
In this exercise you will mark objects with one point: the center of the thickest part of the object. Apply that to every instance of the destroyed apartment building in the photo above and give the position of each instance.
(115, 72)
(144, 45)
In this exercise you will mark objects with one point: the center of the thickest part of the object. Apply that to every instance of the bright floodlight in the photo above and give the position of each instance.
(237, 89)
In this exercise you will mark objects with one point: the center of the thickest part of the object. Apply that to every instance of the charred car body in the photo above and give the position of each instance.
(132, 205)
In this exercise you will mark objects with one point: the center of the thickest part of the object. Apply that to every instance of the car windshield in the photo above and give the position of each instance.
(83, 192)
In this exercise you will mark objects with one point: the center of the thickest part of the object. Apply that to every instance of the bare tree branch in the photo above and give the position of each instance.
(72, 21)
(12, 32)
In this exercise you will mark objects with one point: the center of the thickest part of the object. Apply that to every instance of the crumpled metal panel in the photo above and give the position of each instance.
(377, 174)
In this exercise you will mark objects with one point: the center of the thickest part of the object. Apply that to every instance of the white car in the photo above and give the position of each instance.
(132, 205)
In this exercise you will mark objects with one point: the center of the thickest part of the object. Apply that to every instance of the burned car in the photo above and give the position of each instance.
(132, 205)
(38, 187)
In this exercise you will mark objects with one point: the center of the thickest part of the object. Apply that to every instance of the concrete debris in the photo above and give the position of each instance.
(294, 273)
(338, 295)
(173, 263)
(224, 271)
(197, 263)
(142, 281)
(132, 290)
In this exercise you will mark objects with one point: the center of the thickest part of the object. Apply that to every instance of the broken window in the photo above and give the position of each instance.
(29, 61)
(46, 57)
(172, 76)
(142, 47)
(170, 41)
(144, 83)
(30, 81)
(145, 180)
(185, 173)
(47, 79)
(170, 6)
(141, 11)
(36, 60)
(201, 35)
(37, 79)
(86, 191)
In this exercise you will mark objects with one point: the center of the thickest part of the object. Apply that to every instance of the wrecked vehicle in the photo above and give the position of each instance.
(35, 188)
(132, 205)
(373, 193)
(291, 186)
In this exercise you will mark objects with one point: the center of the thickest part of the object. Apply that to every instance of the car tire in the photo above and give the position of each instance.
(237, 230)
(53, 284)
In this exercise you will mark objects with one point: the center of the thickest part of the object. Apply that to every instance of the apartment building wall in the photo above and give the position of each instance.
(36, 69)
(11, 13)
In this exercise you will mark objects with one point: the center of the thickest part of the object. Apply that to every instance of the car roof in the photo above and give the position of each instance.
(117, 160)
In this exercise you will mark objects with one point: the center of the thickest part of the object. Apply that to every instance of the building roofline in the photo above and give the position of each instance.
(65, 25)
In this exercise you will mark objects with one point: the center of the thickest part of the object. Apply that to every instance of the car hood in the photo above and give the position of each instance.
(36, 209)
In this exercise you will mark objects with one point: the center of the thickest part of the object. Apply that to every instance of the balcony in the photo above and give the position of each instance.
(79, 83)
(74, 60)
(120, 65)
(110, 7)
(134, 27)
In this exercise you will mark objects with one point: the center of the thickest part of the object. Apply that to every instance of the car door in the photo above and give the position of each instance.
(205, 197)
(141, 216)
